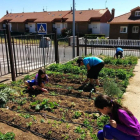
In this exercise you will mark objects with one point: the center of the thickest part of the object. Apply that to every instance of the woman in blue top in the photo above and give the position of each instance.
(40, 80)
(94, 66)
(119, 52)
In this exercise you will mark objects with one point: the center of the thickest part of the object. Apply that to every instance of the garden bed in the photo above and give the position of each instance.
(67, 112)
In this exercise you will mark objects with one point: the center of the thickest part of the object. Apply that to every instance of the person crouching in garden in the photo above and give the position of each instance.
(93, 66)
(122, 124)
(40, 80)
(119, 52)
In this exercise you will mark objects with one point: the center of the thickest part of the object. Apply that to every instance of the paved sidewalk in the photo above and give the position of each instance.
(131, 98)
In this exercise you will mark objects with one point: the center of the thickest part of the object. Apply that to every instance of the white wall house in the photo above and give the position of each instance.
(31, 27)
(59, 26)
(99, 28)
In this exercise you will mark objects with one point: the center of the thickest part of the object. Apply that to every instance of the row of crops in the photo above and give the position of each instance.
(67, 112)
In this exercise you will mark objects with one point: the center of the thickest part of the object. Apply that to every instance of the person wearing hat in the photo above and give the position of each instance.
(94, 66)
(119, 52)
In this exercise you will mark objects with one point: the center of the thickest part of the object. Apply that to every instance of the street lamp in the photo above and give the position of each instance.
(73, 28)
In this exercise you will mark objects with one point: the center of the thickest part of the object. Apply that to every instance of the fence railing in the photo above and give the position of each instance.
(22, 54)
(4, 57)
(107, 42)
(31, 52)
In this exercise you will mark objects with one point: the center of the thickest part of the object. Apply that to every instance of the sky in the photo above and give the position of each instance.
(18, 6)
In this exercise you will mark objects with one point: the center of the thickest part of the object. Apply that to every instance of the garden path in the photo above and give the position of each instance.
(131, 97)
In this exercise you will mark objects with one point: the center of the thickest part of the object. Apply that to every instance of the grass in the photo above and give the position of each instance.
(33, 41)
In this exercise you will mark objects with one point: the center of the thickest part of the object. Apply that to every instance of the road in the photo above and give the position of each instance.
(29, 58)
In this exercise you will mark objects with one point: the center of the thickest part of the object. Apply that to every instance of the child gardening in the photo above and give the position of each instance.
(119, 52)
(40, 79)
(94, 66)
(123, 124)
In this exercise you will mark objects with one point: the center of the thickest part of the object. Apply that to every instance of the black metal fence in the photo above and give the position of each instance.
(4, 57)
(32, 52)
(22, 54)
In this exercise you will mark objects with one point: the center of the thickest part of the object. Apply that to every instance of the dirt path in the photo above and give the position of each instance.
(131, 98)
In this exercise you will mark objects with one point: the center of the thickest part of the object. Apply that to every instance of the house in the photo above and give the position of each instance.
(87, 21)
(126, 26)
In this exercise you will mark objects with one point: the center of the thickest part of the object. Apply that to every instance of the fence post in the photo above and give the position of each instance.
(14, 56)
(85, 46)
(78, 44)
(6, 51)
(56, 48)
(10, 52)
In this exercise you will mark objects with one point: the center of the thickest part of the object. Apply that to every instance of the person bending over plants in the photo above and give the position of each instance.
(119, 52)
(122, 124)
(40, 80)
(94, 66)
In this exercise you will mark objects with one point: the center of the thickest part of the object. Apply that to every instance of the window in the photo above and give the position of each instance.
(65, 25)
(58, 25)
(137, 13)
(123, 29)
(135, 29)
(94, 26)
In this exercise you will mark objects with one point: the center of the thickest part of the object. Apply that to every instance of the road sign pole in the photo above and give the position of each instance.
(43, 50)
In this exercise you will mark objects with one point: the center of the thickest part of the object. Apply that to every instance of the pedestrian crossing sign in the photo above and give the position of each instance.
(42, 28)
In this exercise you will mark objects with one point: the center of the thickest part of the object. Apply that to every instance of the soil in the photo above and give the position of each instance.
(70, 94)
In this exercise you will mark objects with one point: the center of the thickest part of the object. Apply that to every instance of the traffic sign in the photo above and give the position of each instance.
(42, 28)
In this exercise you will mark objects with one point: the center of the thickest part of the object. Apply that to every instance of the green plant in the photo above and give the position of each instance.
(25, 115)
(29, 124)
(67, 125)
(73, 104)
(102, 120)
(4, 95)
(66, 137)
(93, 136)
(78, 129)
(52, 93)
(111, 88)
(27, 77)
(7, 136)
(86, 122)
(77, 114)
(50, 132)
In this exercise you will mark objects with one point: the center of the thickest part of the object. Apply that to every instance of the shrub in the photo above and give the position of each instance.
(64, 32)
(111, 88)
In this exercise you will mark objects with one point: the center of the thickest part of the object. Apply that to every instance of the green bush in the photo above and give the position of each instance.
(94, 36)
(111, 88)
(64, 32)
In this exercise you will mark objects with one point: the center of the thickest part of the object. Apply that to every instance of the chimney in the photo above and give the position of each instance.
(71, 8)
(7, 12)
(43, 9)
(113, 13)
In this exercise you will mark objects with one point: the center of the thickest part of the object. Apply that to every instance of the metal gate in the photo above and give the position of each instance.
(23, 54)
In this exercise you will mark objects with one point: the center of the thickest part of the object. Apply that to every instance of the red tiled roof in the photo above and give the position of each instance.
(37, 16)
(85, 15)
(135, 8)
(125, 19)
(82, 15)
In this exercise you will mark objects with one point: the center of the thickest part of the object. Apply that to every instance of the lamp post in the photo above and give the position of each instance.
(73, 28)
